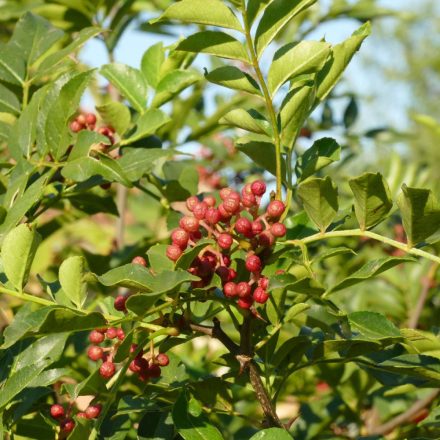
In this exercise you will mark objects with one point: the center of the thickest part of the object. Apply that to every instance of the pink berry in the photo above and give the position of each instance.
(96, 337)
(120, 334)
(191, 202)
(67, 425)
(246, 190)
(90, 119)
(249, 200)
(263, 282)
(224, 193)
(232, 205)
(112, 333)
(278, 230)
(81, 415)
(174, 252)
(119, 303)
(243, 226)
(180, 237)
(225, 241)
(210, 201)
(253, 263)
(189, 224)
(266, 239)
(225, 215)
(258, 187)
(93, 411)
(95, 353)
(212, 216)
(230, 289)
(199, 210)
(75, 126)
(243, 289)
(245, 303)
(107, 369)
(260, 295)
(57, 411)
(81, 119)
(232, 274)
(257, 227)
(275, 209)
(226, 260)
(154, 371)
(162, 359)
(139, 260)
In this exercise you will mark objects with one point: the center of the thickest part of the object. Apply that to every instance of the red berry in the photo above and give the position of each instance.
(75, 126)
(226, 260)
(230, 289)
(253, 263)
(245, 303)
(243, 289)
(246, 190)
(111, 333)
(120, 334)
(154, 371)
(96, 337)
(258, 187)
(225, 215)
(138, 364)
(263, 282)
(93, 411)
(212, 216)
(133, 348)
(199, 210)
(90, 119)
(67, 425)
(225, 241)
(139, 260)
(180, 237)
(162, 359)
(260, 295)
(107, 369)
(189, 224)
(266, 239)
(275, 209)
(174, 252)
(223, 273)
(95, 353)
(232, 274)
(57, 411)
(195, 236)
(249, 200)
(81, 415)
(119, 303)
(257, 227)
(278, 230)
(210, 201)
(224, 193)
(232, 204)
(243, 226)
(191, 202)
(81, 119)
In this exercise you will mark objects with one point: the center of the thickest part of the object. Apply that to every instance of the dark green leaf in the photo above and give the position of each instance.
(137, 162)
(12, 65)
(372, 199)
(186, 259)
(372, 325)
(292, 283)
(9, 102)
(320, 200)
(351, 113)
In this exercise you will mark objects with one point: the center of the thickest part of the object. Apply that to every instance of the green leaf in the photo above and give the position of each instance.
(215, 43)
(262, 153)
(295, 109)
(342, 55)
(370, 270)
(295, 310)
(182, 179)
(129, 81)
(275, 18)
(296, 59)
(206, 12)
(151, 63)
(18, 252)
(372, 199)
(158, 259)
(320, 200)
(351, 113)
(116, 115)
(249, 120)
(420, 213)
(137, 162)
(91, 203)
(9, 102)
(86, 140)
(234, 78)
(71, 275)
(33, 37)
(172, 84)
(84, 168)
(190, 427)
(272, 434)
(290, 282)
(147, 124)
(322, 153)
(254, 7)
(58, 136)
(12, 65)
(48, 64)
(372, 325)
(186, 259)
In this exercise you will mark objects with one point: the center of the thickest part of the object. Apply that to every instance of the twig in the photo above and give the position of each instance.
(394, 423)
(426, 286)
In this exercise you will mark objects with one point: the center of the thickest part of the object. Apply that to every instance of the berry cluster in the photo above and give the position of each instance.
(148, 366)
(235, 223)
(65, 419)
(87, 121)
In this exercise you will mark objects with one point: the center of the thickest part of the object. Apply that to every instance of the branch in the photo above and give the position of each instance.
(411, 412)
